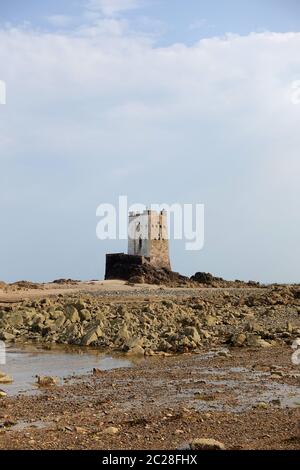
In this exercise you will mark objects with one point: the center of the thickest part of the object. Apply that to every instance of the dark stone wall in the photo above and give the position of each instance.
(121, 266)
(140, 269)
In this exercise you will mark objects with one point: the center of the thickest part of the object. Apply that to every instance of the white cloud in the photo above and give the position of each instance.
(112, 7)
(60, 21)
(105, 26)
(209, 123)
(200, 24)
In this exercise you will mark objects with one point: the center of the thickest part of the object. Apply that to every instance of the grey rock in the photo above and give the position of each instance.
(71, 313)
(5, 336)
(85, 314)
(206, 444)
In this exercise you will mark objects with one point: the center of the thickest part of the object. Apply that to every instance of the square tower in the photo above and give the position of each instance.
(148, 237)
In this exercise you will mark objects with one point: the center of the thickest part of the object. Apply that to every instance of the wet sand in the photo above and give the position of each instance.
(246, 397)
(249, 400)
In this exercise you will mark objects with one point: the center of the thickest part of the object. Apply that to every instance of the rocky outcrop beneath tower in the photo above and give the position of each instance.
(139, 270)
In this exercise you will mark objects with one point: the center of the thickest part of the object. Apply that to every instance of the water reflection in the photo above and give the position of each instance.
(25, 362)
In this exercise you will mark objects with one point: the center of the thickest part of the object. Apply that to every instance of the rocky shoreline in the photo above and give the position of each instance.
(159, 321)
(208, 366)
(245, 400)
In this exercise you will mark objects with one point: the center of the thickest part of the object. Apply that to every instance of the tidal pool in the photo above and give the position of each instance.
(24, 363)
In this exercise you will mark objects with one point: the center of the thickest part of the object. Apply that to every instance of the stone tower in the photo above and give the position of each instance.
(148, 237)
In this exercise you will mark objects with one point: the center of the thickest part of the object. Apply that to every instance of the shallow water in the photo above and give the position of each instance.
(239, 389)
(24, 363)
(208, 388)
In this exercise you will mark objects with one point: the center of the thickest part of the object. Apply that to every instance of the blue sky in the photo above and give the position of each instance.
(164, 101)
(178, 20)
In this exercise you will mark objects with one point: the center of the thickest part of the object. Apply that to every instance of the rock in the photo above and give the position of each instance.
(46, 381)
(205, 278)
(179, 431)
(149, 352)
(224, 353)
(3, 315)
(206, 334)
(136, 351)
(111, 430)
(120, 310)
(100, 315)
(276, 402)
(57, 314)
(133, 342)
(238, 340)
(204, 396)
(147, 326)
(206, 444)
(168, 303)
(72, 332)
(28, 315)
(71, 313)
(38, 323)
(80, 430)
(210, 320)
(275, 376)
(50, 324)
(80, 305)
(16, 319)
(262, 405)
(123, 334)
(5, 336)
(263, 344)
(164, 345)
(253, 326)
(257, 342)
(59, 322)
(136, 280)
(85, 314)
(193, 334)
(296, 343)
(5, 379)
(90, 337)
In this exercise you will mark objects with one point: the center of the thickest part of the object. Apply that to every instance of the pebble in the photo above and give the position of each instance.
(5, 379)
(111, 430)
(206, 444)
(46, 381)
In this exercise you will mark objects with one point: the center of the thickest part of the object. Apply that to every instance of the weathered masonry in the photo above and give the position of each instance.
(148, 236)
(148, 243)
